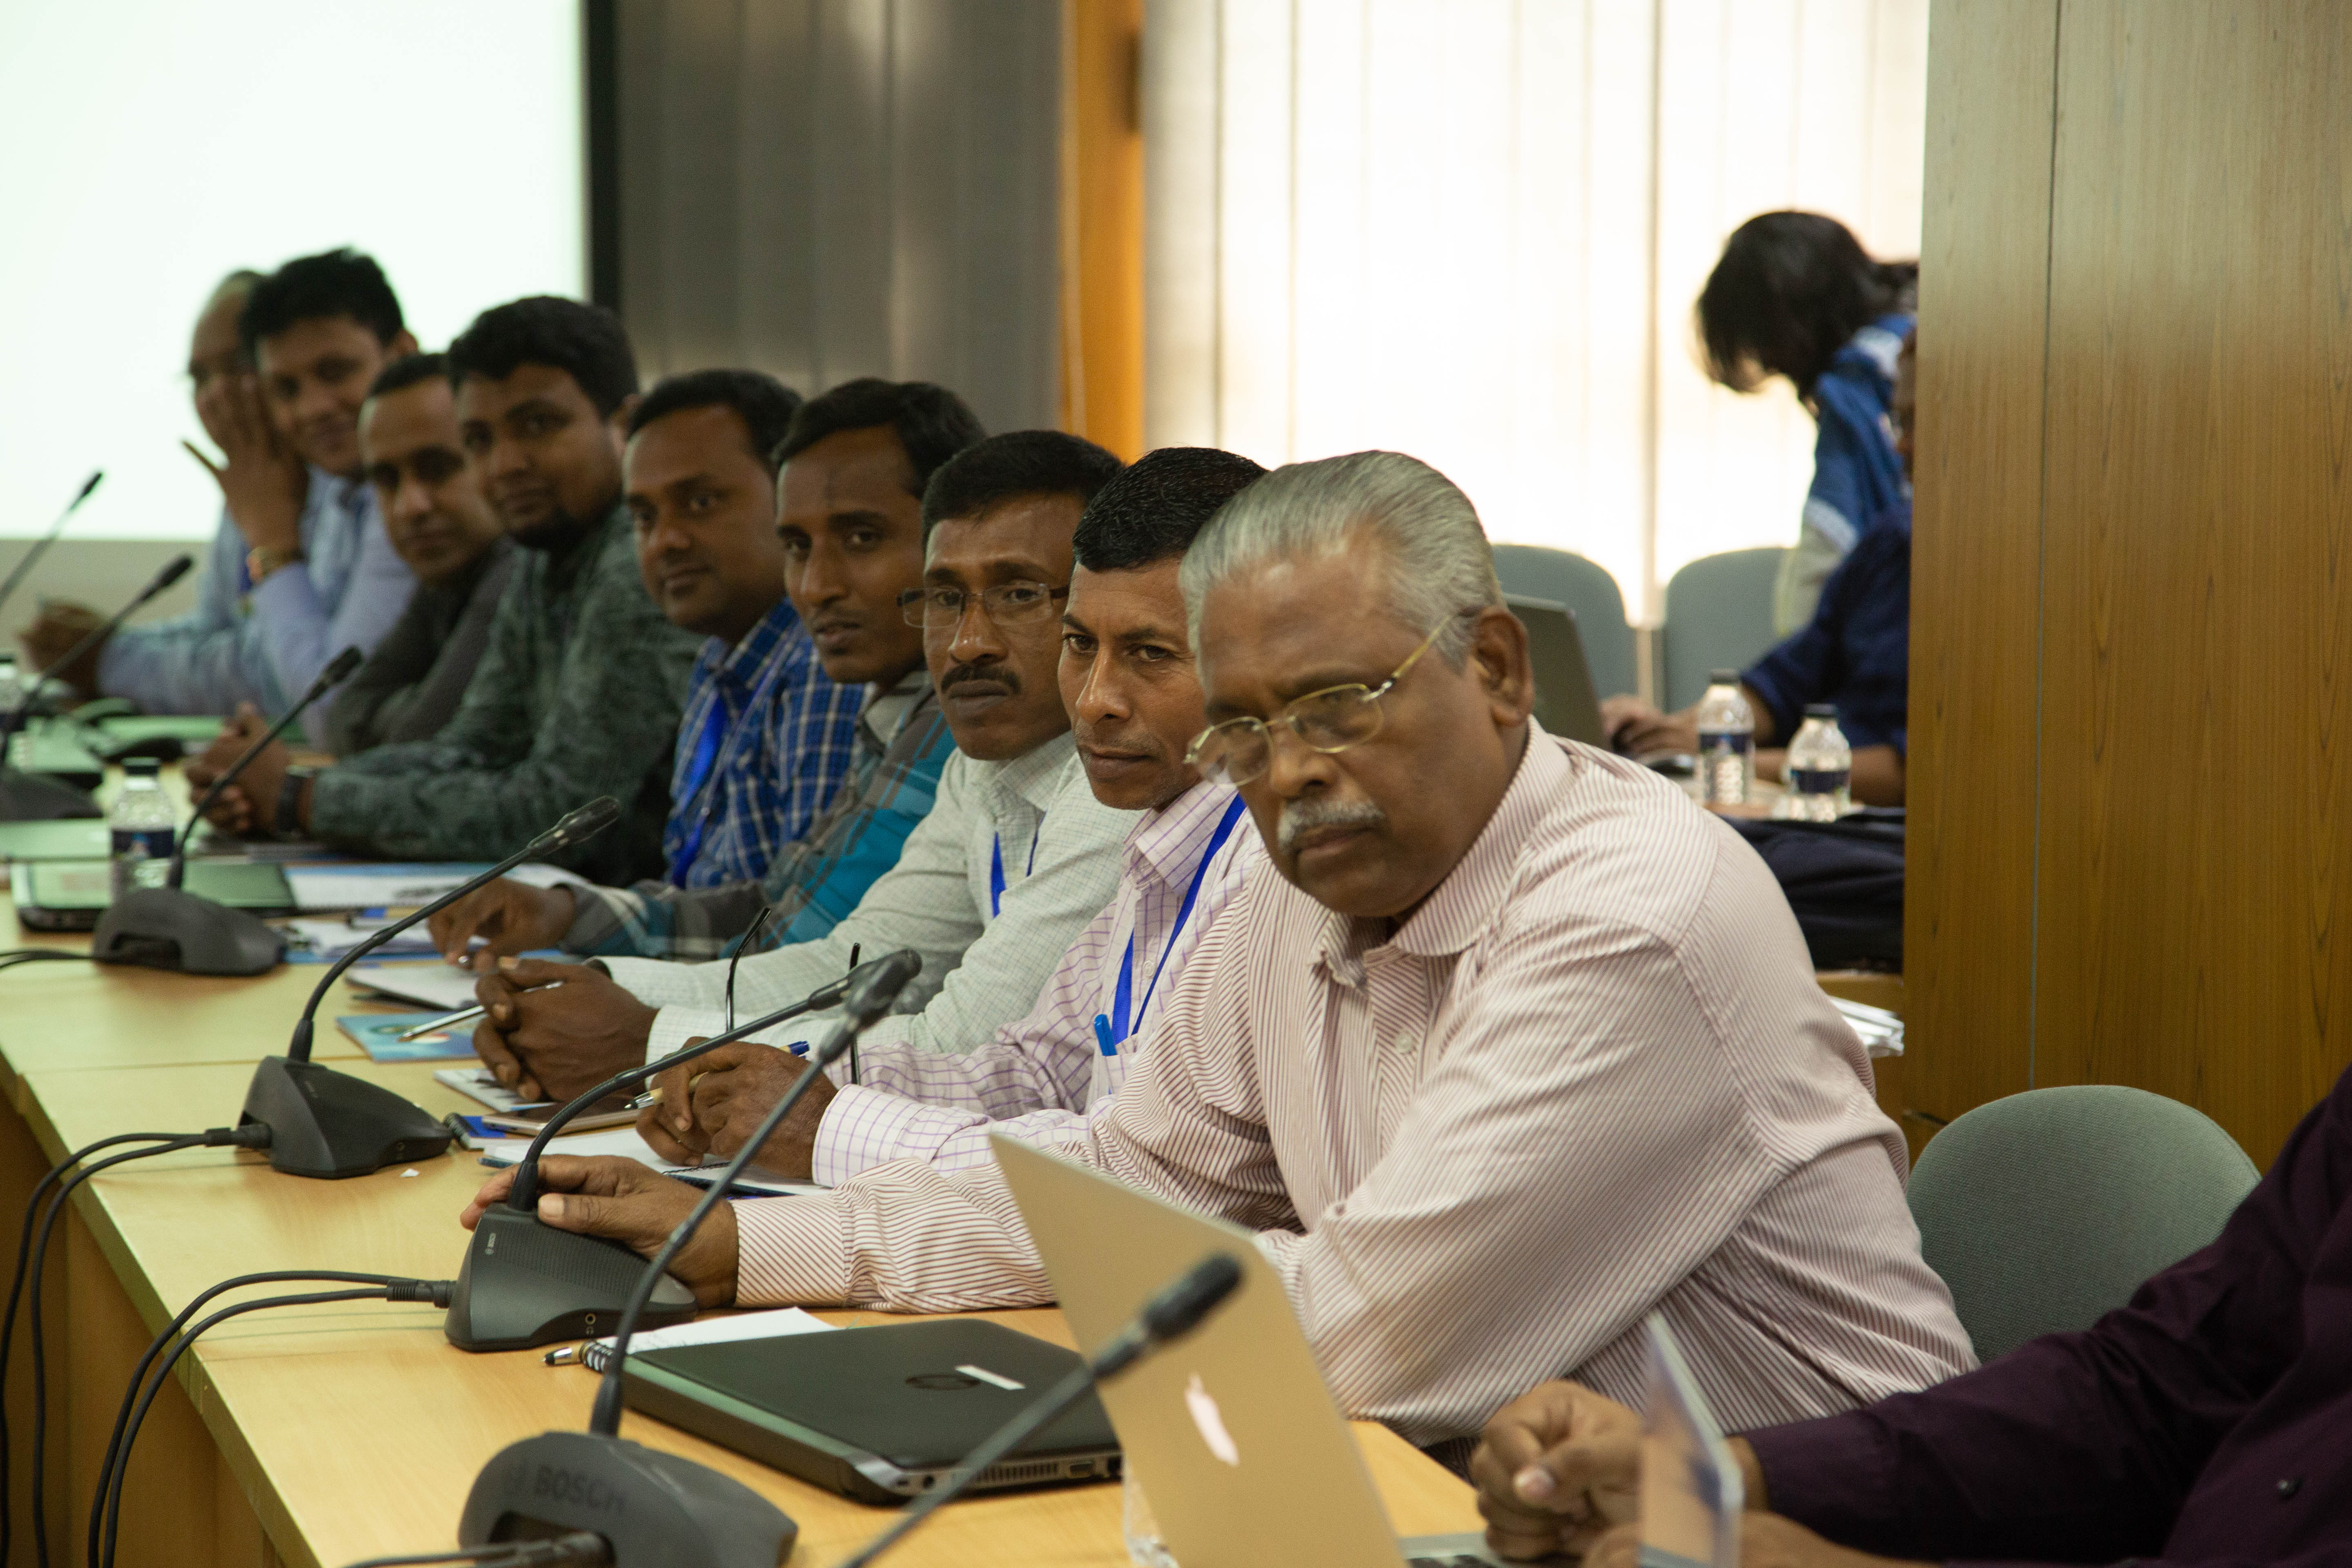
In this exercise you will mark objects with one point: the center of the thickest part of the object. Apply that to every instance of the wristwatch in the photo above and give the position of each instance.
(264, 559)
(287, 824)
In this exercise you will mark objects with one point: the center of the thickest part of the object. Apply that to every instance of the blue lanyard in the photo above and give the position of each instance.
(1112, 1030)
(705, 753)
(996, 869)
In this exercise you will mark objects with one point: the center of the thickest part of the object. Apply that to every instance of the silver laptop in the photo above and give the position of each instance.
(1231, 1431)
(1566, 704)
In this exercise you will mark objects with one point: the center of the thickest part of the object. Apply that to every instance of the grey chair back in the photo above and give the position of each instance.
(1718, 616)
(2046, 1210)
(1536, 572)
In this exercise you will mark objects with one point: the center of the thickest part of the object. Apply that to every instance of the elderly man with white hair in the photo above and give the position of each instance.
(1518, 1047)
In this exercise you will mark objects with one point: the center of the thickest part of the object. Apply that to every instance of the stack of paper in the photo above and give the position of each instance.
(1881, 1031)
(423, 985)
(709, 1332)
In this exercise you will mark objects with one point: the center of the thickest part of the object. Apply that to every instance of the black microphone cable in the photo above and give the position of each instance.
(107, 1468)
(583, 1547)
(11, 957)
(30, 1256)
(164, 1353)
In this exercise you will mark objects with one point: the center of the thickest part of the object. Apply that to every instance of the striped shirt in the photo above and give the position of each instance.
(764, 741)
(1592, 1075)
(992, 889)
(1041, 1078)
(903, 742)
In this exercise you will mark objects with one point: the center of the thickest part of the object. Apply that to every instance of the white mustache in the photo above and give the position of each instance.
(1303, 815)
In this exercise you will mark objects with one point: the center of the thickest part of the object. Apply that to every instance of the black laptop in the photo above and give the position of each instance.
(882, 1414)
(1565, 704)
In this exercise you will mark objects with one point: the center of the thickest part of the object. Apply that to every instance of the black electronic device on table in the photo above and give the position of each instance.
(880, 1413)
(1566, 704)
(74, 895)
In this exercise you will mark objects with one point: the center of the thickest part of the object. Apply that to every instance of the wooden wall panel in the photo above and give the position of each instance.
(2132, 626)
(2197, 642)
(1102, 223)
(1975, 551)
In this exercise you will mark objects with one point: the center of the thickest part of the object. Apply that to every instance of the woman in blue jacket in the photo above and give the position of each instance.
(1796, 295)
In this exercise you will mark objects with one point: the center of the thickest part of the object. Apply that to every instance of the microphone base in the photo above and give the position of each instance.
(40, 797)
(166, 927)
(654, 1510)
(328, 1125)
(525, 1284)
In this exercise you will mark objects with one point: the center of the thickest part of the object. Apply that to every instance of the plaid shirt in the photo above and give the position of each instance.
(766, 740)
(902, 742)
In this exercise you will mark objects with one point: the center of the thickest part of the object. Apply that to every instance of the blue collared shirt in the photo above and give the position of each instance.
(264, 645)
(1857, 650)
(766, 740)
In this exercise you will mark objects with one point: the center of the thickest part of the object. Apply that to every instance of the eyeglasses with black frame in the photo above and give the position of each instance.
(1329, 721)
(941, 609)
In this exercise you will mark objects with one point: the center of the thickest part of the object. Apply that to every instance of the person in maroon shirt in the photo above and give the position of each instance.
(2209, 1422)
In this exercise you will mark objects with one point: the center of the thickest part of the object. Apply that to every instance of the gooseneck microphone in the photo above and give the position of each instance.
(41, 546)
(654, 1509)
(1174, 1313)
(172, 571)
(524, 1283)
(325, 1124)
(342, 668)
(165, 928)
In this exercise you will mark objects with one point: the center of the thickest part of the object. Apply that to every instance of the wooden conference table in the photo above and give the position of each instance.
(321, 1436)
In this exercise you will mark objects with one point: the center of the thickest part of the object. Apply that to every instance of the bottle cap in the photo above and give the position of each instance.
(141, 767)
(1821, 710)
(1723, 676)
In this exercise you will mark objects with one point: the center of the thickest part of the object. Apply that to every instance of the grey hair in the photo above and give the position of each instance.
(1440, 566)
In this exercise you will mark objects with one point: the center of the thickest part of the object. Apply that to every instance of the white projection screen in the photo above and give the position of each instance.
(147, 147)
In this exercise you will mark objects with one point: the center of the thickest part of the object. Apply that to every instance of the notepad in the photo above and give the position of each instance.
(378, 1033)
(625, 1142)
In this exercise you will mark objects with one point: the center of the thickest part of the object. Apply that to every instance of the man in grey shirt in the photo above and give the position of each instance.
(434, 512)
(579, 693)
(300, 568)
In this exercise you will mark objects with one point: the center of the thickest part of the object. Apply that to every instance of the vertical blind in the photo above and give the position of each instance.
(825, 189)
(1472, 230)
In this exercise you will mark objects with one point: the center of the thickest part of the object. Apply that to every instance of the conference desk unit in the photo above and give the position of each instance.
(316, 1437)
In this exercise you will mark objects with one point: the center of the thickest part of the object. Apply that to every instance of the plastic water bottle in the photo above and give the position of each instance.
(142, 823)
(1821, 768)
(1727, 742)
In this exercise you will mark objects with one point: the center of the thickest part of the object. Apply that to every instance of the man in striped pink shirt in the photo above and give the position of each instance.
(1518, 1047)
(1134, 699)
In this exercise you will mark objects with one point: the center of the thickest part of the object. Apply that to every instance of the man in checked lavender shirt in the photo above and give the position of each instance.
(1501, 1045)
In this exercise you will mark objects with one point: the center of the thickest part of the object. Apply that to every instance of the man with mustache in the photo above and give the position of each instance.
(1128, 679)
(300, 568)
(1514, 1047)
(579, 693)
(1014, 860)
(849, 525)
(446, 533)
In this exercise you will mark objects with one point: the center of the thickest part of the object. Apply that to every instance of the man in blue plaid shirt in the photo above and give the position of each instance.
(849, 520)
(766, 737)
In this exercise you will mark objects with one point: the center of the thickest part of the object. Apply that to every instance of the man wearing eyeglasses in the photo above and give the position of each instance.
(1516, 1048)
(1013, 860)
(1134, 699)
